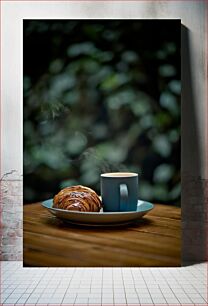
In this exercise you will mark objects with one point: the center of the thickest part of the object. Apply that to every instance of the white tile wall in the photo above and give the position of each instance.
(103, 286)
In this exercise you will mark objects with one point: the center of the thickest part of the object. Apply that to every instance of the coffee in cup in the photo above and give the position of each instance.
(119, 191)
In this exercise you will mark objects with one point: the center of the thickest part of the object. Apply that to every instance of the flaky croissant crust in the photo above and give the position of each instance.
(78, 198)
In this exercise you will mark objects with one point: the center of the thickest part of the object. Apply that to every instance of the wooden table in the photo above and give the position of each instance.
(154, 240)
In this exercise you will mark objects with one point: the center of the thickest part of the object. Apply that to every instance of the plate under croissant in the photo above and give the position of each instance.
(100, 218)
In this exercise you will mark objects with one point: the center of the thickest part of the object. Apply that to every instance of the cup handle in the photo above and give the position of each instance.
(123, 197)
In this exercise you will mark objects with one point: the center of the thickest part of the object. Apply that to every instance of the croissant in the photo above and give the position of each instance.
(78, 198)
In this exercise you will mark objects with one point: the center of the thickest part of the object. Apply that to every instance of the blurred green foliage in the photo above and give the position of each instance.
(101, 96)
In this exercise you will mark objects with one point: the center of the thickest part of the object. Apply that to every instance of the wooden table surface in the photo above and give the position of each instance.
(154, 240)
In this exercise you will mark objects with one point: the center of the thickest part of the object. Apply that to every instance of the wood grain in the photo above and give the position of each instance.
(154, 240)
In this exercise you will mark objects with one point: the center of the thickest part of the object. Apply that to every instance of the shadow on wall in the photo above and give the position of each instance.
(193, 186)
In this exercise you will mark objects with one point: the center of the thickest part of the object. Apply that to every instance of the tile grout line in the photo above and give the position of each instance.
(123, 280)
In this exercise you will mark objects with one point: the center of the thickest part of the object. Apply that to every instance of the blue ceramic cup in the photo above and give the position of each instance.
(119, 191)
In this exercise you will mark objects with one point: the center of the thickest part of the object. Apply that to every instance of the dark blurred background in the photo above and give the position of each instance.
(102, 96)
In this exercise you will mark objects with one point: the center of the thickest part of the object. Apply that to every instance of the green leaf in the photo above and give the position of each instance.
(123, 97)
(145, 190)
(169, 101)
(167, 71)
(86, 48)
(68, 183)
(76, 143)
(162, 145)
(163, 173)
(130, 56)
(175, 86)
(160, 192)
(114, 81)
(175, 192)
